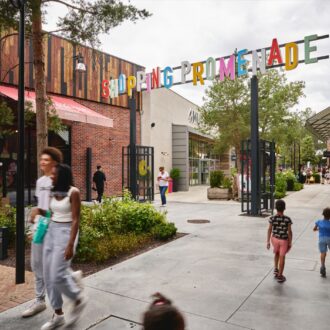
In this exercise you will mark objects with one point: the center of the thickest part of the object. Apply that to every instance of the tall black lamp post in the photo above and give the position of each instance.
(255, 159)
(132, 145)
(20, 216)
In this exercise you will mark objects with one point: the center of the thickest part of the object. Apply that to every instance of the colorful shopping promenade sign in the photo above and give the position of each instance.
(231, 66)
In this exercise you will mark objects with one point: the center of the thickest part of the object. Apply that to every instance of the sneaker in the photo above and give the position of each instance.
(37, 307)
(323, 271)
(281, 278)
(76, 311)
(77, 277)
(56, 321)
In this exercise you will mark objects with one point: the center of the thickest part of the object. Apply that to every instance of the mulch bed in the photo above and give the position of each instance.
(89, 268)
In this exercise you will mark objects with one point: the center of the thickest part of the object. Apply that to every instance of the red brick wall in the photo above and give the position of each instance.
(106, 144)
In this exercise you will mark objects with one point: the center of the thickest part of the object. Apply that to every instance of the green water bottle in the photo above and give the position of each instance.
(42, 227)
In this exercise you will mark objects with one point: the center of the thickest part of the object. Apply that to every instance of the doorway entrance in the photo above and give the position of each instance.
(204, 176)
(199, 170)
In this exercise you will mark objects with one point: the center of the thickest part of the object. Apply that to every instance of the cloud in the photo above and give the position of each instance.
(196, 29)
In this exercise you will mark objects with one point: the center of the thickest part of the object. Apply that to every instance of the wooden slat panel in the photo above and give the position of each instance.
(112, 67)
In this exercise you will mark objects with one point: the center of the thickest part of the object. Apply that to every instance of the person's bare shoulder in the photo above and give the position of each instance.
(75, 192)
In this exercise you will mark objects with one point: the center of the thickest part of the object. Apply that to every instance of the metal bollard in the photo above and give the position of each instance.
(3, 243)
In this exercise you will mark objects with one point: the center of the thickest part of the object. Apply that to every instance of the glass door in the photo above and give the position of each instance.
(193, 172)
(204, 171)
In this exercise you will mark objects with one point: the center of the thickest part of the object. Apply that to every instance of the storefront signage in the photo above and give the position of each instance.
(208, 70)
(193, 117)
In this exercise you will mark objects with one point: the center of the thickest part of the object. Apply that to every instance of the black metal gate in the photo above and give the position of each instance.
(265, 178)
(144, 169)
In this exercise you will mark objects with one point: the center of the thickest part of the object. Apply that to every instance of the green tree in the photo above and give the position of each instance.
(276, 97)
(308, 150)
(225, 114)
(6, 120)
(226, 111)
(290, 134)
(84, 21)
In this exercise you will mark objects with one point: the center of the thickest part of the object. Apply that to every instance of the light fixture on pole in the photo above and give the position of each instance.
(80, 66)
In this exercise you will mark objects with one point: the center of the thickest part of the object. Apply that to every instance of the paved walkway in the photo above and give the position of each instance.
(11, 294)
(196, 194)
(220, 275)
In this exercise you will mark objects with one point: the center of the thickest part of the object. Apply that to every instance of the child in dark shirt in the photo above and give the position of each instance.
(280, 234)
(162, 315)
(323, 226)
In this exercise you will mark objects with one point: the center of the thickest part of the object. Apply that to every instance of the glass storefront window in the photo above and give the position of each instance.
(8, 160)
(201, 161)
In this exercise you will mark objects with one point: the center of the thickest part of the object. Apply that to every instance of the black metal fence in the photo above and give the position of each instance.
(265, 178)
(144, 171)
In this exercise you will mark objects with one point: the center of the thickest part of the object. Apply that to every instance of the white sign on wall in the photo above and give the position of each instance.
(193, 117)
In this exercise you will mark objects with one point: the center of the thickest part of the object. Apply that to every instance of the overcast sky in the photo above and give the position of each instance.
(194, 30)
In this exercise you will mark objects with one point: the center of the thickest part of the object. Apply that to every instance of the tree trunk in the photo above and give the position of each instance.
(235, 190)
(238, 158)
(40, 81)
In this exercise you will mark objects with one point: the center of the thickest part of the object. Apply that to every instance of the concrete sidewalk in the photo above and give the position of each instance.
(196, 194)
(220, 274)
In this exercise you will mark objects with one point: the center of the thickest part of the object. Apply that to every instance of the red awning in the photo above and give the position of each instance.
(65, 108)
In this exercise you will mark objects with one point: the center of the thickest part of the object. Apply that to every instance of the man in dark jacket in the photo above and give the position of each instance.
(98, 181)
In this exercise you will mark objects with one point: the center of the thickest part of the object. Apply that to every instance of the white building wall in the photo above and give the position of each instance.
(163, 107)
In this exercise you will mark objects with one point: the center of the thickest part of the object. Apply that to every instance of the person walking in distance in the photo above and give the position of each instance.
(99, 180)
(59, 247)
(280, 234)
(163, 178)
(323, 226)
(48, 159)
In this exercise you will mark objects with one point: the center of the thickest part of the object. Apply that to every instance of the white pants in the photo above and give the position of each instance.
(57, 274)
(36, 265)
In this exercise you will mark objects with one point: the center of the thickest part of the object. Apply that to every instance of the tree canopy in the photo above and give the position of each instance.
(83, 21)
(226, 111)
(308, 150)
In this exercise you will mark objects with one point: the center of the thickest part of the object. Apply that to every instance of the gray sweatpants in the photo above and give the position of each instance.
(57, 274)
(37, 268)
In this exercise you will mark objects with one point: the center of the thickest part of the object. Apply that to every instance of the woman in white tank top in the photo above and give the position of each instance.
(59, 246)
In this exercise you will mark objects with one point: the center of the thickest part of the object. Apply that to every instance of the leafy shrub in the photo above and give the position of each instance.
(233, 171)
(317, 178)
(290, 184)
(289, 175)
(7, 219)
(280, 185)
(216, 179)
(175, 173)
(227, 183)
(119, 226)
(298, 186)
(114, 246)
(89, 238)
(139, 218)
(290, 179)
(164, 230)
(279, 194)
